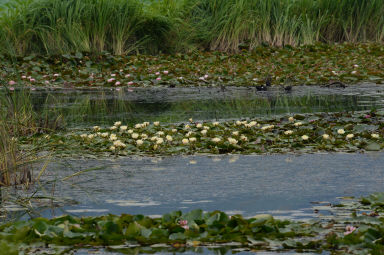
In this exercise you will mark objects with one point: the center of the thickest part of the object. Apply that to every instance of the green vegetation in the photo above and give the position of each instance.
(315, 64)
(126, 26)
(355, 227)
(339, 132)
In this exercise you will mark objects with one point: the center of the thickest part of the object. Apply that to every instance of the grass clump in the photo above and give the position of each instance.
(126, 26)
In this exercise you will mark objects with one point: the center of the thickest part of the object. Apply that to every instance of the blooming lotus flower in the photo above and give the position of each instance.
(112, 148)
(235, 133)
(232, 140)
(305, 137)
(156, 123)
(158, 79)
(203, 132)
(169, 138)
(349, 230)
(325, 136)
(216, 140)
(252, 123)
(160, 133)
(118, 143)
(185, 141)
(83, 135)
(123, 128)
(117, 83)
(32, 80)
(144, 136)
(375, 136)
(104, 134)
(192, 139)
(215, 123)
(96, 128)
(206, 76)
(113, 128)
(288, 132)
(199, 125)
(187, 126)
(117, 123)
(153, 138)
(134, 135)
(23, 77)
(130, 131)
(127, 75)
(159, 140)
(138, 126)
(11, 83)
(349, 136)
(184, 224)
(243, 138)
(110, 80)
(130, 83)
(139, 142)
(206, 128)
(297, 124)
(165, 72)
(113, 74)
(340, 131)
(291, 119)
(113, 137)
(174, 130)
(157, 73)
(189, 133)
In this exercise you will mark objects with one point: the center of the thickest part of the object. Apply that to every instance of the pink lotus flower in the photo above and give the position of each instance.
(165, 72)
(157, 73)
(184, 224)
(11, 88)
(46, 82)
(111, 79)
(23, 77)
(32, 80)
(158, 78)
(206, 76)
(127, 75)
(113, 74)
(11, 83)
(349, 229)
(130, 83)
(117, 83)
(56, 75)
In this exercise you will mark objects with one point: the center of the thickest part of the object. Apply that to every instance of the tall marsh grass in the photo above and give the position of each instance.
(153, 26)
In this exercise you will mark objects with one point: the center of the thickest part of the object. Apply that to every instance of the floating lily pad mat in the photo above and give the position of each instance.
(104, 106)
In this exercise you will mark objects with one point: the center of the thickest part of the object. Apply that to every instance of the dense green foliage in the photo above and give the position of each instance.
(354, 227)
(125, 26)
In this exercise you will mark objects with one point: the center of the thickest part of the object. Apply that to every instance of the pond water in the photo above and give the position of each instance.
(105, 106)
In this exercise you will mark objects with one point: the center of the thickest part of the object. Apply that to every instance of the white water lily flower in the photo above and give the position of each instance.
(188, 134)
(349, 136)
(123, 128)
(104, 135)
(267, 127)
(238, 123)
(155, 147)
(138, 126)
(340, 131)
(297, 124)
(135, 135)
(144, 136)
(192, 139)
(235, 133)
(215, 123)
(96, 128)
(130, 131)
(305, 137)
(160, 133)
(187, 126)
(169, 138)
(91, 136)
(117, 123)
(156, 123)
(113, 128)
(252, 123)
(326, 136)
(112, 148)
(113, 137)
(145, 124)
(159, 140)
(185, 141)
(118, 143)
(83, 135)
(190, 120)
(244, 122)
(139, 142)
(153, 138)
(232, 140)
(199, 125)
(206, 128)
(174, 130)
(291, 119)
(243, 138)
(376, 136)
(288, 132)
(216, 140)
(203, 132)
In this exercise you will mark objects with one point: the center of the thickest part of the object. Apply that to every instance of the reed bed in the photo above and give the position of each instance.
(172, 26)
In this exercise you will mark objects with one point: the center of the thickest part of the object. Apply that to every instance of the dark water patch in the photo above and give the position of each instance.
(104, 106)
